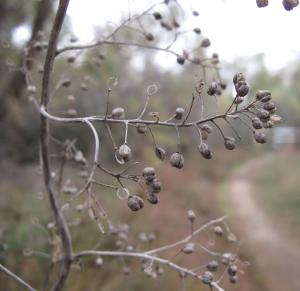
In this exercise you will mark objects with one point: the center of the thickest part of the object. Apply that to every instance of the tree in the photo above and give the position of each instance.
(260, 111)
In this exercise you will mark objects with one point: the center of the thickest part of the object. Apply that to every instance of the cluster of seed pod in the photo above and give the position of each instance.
(287, 4)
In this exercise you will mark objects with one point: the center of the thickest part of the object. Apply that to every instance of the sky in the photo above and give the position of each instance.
(236, 28)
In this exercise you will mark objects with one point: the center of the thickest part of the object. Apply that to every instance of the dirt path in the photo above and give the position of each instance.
(276, 257)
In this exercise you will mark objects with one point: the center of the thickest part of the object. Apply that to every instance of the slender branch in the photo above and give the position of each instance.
(45, 96)
(16, 278)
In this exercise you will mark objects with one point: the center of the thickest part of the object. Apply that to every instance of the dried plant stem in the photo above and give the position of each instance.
(16, 278)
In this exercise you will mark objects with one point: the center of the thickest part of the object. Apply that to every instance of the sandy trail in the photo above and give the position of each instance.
(276, 256)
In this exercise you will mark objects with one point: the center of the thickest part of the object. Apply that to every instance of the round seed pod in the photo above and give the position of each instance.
(189, 248)
(125, 153)
(118, 113)
(205, 43)
(260, 137)
(152, 198)
(155, 186)
(135, 202)
(160, 153)
(232, 270)
(148, 174)
(229, 143)
(218, 230)
(177, 160)
(179, 113)
(262, 3)
(268, 124)
(191, 215)
(238, 100)
(263, 94)
(207, 278)
(233, 279)
(212, 266)
(205, 127)
(157, 15)
(242, 88)
(290, 4)
(141, 128)
(205, 151)
(256, 123)
(149, 36)
(197, 30)
(180, 60)
(227, 258)
(66, 82)
(263, 115)
(238, 77)
(269, 106)
(212, 88)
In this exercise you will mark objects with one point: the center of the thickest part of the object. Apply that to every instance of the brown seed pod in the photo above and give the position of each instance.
(177, 160)
(256, 123)
(149, 36)
(148, 174)
(212, 88)
(262, 3)
(125, 153)
(263, 94)
(207, 128)
(233, 279)
(205, 151)
(197, 30)
(238, 77)
(157, 15)
(141, 128)
(135, 202)
(232, 270)
(189, 248)
(179, 113)
(228, 258)
(207, 278)
(152, 198)
(269, 106)
(290, 4)
(260, 137)
(155, 186)
(212, 266)
(238, 100)
(118, 113)
(180, 60)
(160, 153)
(263, 115)
(205, 43)
(229, 142)
(242, 88)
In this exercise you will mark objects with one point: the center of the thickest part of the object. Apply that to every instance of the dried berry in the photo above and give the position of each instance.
(262, 3)
(205, 42)
(212, 266)
(218, 230)
(238, 100)
(205, 151)
(135, 203)
(189, 248)
(160, 153)
(118, 113)
(191, 215)
(263, 115)
(233, 279)
(232, 270)
(155, 186)
(179, 113)
(149, 36)
(229, 142)
(270, 106)
(228, 258)
(256, 123)
(260, 137)
(180, 60)
(238, 77)
(197, 30)
(157, 16)
(177, 160)
(149, 174)
(124, 152)
(152, 198)
(207, 278)
(290, 4)
(242, 88)
(212, 88)
(141, 128)
(263, 95)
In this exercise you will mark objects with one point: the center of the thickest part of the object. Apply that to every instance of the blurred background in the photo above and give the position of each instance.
(256, 186)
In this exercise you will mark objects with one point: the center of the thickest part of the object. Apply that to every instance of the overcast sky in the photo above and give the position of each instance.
(235, 27)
